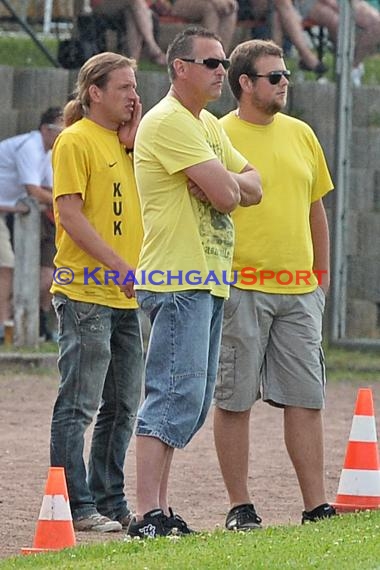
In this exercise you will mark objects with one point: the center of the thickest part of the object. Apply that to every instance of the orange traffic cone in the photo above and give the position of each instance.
(359, 485)
(54, 528)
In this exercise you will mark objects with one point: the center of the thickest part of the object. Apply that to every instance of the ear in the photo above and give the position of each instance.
(95, 93)
(179, 67)
(44, 130)
(246, 83)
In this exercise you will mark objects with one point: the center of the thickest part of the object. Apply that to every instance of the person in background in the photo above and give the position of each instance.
(272, 330)
(367, 20)
(99, 235)
(26, 170)
(187, 185)
(138, 25)
(218, 16)
(286, 21)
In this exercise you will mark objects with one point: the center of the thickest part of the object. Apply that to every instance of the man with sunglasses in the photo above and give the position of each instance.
(271, 344)
(189, 178)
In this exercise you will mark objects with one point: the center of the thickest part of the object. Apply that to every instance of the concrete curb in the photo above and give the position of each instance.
(27, 360)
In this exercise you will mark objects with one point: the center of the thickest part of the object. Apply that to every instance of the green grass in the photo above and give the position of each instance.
(43, 348)
(21, 51)
(341, 363)
(349, 542)
(352, 365)
(18, 50)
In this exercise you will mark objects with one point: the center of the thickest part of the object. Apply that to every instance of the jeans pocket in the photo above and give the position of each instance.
(225, 383)
(147, 301)
(84, 311)
(59, 304)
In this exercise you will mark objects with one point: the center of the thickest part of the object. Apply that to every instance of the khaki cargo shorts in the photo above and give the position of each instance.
(7, 258)
(271, 348)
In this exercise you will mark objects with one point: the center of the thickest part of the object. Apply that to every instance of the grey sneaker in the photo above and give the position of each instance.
(97, 523)
(125, 520)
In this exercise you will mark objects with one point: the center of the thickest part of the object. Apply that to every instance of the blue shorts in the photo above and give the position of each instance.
(181, 363)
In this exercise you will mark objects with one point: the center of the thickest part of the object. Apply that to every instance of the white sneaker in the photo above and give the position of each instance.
(357, 74)
(96, 523)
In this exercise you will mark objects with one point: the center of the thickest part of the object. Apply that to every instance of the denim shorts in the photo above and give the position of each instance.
(181, 363)
(271, 348)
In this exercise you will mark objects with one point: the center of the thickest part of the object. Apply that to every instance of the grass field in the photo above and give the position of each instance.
(349, 542)
(20, 51)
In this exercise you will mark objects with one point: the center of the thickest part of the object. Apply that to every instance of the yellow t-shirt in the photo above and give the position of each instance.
(89, 160)
(273, 244)
(187, 243)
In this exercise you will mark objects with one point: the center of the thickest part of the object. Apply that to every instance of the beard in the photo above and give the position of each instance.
(268, 107)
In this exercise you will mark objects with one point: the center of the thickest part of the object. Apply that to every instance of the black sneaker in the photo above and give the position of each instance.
(176, 522)
(324, 511)
(154, 523)
(243, 517)
(320, 69)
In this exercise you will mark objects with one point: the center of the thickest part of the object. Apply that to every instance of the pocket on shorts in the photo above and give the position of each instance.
(321, 296)
(225, 383)
(232, 304)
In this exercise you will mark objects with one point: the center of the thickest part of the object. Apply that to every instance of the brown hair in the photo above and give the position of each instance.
(243, 60)
(95, 71)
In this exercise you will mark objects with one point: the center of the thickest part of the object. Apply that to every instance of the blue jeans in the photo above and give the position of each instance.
(100, 364)
(181, 363)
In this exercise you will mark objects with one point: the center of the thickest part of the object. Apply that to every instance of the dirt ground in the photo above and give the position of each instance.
(197, 490)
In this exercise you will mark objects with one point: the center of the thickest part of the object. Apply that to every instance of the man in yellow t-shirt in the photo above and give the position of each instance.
(98, 238)
(271, 344)
(189, 179)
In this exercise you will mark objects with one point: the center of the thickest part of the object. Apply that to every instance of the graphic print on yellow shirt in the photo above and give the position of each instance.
(187, 243)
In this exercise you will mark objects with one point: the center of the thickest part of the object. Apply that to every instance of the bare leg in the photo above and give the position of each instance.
(231, 435)
(291, 24)
(134, 41)
(303, 433)
(368, 33)
(277, 29)
(206, 14)
(163, 496)
(326, 13)
(144, 24)
(6, 280)
(226, 29)
(151, 465)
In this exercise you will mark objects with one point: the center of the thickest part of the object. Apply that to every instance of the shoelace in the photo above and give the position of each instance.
(246, 515)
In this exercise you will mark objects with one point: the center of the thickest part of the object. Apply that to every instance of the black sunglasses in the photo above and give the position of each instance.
(273, 77)
(210, 62)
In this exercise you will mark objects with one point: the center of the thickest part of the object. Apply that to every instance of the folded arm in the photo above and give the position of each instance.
(250, 186)
(217, 184)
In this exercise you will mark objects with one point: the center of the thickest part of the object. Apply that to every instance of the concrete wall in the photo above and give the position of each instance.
(26, 93)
